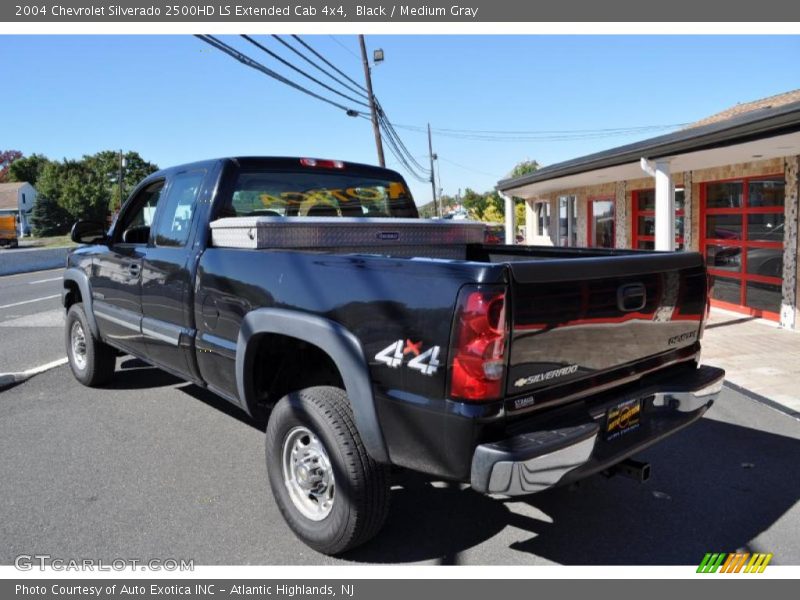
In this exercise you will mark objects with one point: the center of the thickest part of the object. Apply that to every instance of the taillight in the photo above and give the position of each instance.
(321, 163)
(478, 344)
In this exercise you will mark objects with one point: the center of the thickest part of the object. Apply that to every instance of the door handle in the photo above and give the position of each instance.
(134, 269)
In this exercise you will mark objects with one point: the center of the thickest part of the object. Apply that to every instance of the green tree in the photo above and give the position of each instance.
(83, 192)
(524, 168)
(519, 212)
(105, 166)
(49, 218)
(492, 215)
(475, 204)
(27, 169)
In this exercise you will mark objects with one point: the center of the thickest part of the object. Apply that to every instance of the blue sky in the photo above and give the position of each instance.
(175, 99)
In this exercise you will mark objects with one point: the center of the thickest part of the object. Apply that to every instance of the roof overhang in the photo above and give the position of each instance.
(769, 133)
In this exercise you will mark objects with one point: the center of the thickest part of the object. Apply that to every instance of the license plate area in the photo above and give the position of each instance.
(623, 418)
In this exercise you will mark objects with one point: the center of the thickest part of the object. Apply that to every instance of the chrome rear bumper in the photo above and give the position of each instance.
(536, 460)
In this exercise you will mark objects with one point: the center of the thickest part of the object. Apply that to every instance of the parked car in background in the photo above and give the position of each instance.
(8, 231)
(495, 234)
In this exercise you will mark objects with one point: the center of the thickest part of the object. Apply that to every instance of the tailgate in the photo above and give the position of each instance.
(576, 318)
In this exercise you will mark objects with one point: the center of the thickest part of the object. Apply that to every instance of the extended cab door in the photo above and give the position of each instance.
(117, 276)
(167, 274)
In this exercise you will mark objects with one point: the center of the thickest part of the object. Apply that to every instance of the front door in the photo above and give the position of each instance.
(601, 223)
(117, 276)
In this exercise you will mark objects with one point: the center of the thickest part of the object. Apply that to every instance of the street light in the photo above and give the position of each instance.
(377, 56)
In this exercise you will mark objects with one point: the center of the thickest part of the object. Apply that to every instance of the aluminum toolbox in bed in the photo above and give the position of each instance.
(395, 237)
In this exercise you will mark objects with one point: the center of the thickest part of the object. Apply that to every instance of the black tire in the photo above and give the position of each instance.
(361, 485)
(95, 367)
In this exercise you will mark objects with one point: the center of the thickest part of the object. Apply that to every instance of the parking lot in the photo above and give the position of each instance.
(153, 467)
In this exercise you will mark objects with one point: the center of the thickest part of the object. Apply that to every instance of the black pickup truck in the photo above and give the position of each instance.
(309, 294)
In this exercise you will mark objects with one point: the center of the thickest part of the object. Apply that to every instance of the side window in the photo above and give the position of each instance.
(175, 211)
(134, 227)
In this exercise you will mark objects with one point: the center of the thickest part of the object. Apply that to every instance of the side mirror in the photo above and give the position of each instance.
(88, 232)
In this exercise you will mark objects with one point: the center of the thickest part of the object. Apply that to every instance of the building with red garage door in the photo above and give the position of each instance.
(726, 186)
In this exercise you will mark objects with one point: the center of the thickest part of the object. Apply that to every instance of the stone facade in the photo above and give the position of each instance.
(622, 231)
(690, 240)
(790, 317)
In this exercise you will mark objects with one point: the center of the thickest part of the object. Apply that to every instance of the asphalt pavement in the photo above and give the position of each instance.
(153, 467)
(31, 320)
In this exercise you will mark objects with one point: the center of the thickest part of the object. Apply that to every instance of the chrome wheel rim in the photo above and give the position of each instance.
(307, 474)
(78, 343)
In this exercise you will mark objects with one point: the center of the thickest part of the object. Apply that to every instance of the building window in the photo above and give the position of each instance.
(742, 233)
(644, 219)
(601, 223)
(567, 221)
(541, 211)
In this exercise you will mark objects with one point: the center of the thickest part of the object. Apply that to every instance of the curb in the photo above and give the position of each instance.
(764, 400)
(11, 379)
(32, 259)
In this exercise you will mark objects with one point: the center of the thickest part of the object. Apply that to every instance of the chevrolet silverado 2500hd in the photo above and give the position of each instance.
(309, 292)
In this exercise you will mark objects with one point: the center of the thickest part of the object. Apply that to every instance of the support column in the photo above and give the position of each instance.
(621, 225)
(665, 203)
(688, 219)
(791, 288)
(508, 207)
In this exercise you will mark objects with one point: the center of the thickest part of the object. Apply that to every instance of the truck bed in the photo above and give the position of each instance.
(577, 314)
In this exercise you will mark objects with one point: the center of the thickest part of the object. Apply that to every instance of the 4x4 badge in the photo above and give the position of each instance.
(394, 354)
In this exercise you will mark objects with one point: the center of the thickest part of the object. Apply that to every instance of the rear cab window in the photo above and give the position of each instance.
(318, 194)
(176, 210)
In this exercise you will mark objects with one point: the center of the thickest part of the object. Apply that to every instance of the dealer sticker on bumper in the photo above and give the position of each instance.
(623, 418)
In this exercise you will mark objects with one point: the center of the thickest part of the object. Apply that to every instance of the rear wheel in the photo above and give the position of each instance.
(92, 362)
(331, 493)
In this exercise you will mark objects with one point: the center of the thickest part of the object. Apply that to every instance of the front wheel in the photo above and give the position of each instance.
(330, 492)
(92, 362)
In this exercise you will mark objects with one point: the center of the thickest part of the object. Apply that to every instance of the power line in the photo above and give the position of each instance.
(335, 39)
(544, 135)
(253, 64)
(316, 66)
(466, 168)
(556, 131)
(401, 151)
(399, 154)
(330, 64)
(390, 131)
(299, 70)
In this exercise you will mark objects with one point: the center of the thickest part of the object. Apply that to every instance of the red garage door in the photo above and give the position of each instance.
(742, 226)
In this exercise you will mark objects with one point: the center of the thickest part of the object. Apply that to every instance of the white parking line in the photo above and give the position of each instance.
(44, 280)
(7, 379)
(29, 301)
(29, 273)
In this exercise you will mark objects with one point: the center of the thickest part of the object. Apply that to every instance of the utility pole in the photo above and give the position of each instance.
(433, 181)
(372, 107)
(119, 177)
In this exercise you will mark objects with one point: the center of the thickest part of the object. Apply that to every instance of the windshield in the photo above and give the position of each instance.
(319, 194)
